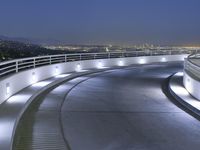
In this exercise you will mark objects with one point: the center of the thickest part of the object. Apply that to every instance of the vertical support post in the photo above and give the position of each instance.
(50, 60)
(65, 58)
(34, 63)
(16, 68)
(108, 55)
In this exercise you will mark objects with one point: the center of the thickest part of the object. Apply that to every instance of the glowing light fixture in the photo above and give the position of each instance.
(163, 59)
(120, 63)
(100, 65)
(78, 67)
(141, 61)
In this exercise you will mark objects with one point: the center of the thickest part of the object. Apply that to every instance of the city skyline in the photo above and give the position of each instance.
(127, 22)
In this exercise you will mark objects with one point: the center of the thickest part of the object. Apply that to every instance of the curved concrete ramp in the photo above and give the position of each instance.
(123, 109)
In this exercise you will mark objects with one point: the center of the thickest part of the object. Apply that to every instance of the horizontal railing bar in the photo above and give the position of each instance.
(12, 70)
(43, 63)
(23, 67)
(25, 63)
(37, 61)
(7, 67)
(57, 61)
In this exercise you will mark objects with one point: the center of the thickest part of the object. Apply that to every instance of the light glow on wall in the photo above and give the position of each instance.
(120, 63)
(56, 70)
(7, 88)
(78, 67)
(142, 61)
(33, 77)
(100, 65)
(189, 86)
(163, 59)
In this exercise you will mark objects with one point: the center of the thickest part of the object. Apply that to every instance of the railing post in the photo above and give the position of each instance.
(94, 56)
(122, 55)
(80, 57)
(16, 68)
(34, 63)
(108, 55)
(50, 60)
(65, 58)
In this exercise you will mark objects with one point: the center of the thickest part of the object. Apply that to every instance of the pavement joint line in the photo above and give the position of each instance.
(117, 112)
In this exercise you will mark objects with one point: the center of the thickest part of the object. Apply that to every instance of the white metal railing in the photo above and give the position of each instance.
(17, 65)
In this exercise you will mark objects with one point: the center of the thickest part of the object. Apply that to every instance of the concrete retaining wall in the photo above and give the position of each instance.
(192, 85)
(18, 81)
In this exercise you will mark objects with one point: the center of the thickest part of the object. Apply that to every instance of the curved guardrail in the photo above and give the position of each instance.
(17, 65)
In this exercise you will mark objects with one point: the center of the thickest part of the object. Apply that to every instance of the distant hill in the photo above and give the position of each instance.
(30, 40)
(14, 49)
(17, 39)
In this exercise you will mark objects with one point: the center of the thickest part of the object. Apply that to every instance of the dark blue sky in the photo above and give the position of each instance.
(103, 21)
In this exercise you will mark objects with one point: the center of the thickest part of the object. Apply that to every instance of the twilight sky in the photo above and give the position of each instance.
(165, 22)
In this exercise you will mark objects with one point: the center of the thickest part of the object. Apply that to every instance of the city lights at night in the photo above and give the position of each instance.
(99, 75)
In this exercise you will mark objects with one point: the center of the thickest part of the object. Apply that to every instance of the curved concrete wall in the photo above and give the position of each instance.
(18, 81)
(192, 85)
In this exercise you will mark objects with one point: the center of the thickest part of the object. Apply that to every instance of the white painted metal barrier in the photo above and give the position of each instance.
(18, 65)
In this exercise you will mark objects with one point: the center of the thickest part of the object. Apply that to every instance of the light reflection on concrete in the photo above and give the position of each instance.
(62, 75)
(19, 98)
(41, 84)
(181, 91)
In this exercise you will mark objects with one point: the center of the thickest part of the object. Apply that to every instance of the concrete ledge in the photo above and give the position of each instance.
(192, 84)
(180, 93)
(18, 81)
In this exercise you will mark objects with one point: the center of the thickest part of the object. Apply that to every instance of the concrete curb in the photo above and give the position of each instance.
(175, 80)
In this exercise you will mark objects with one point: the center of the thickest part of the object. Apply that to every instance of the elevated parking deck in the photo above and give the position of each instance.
(118, 109)
(102, 104)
